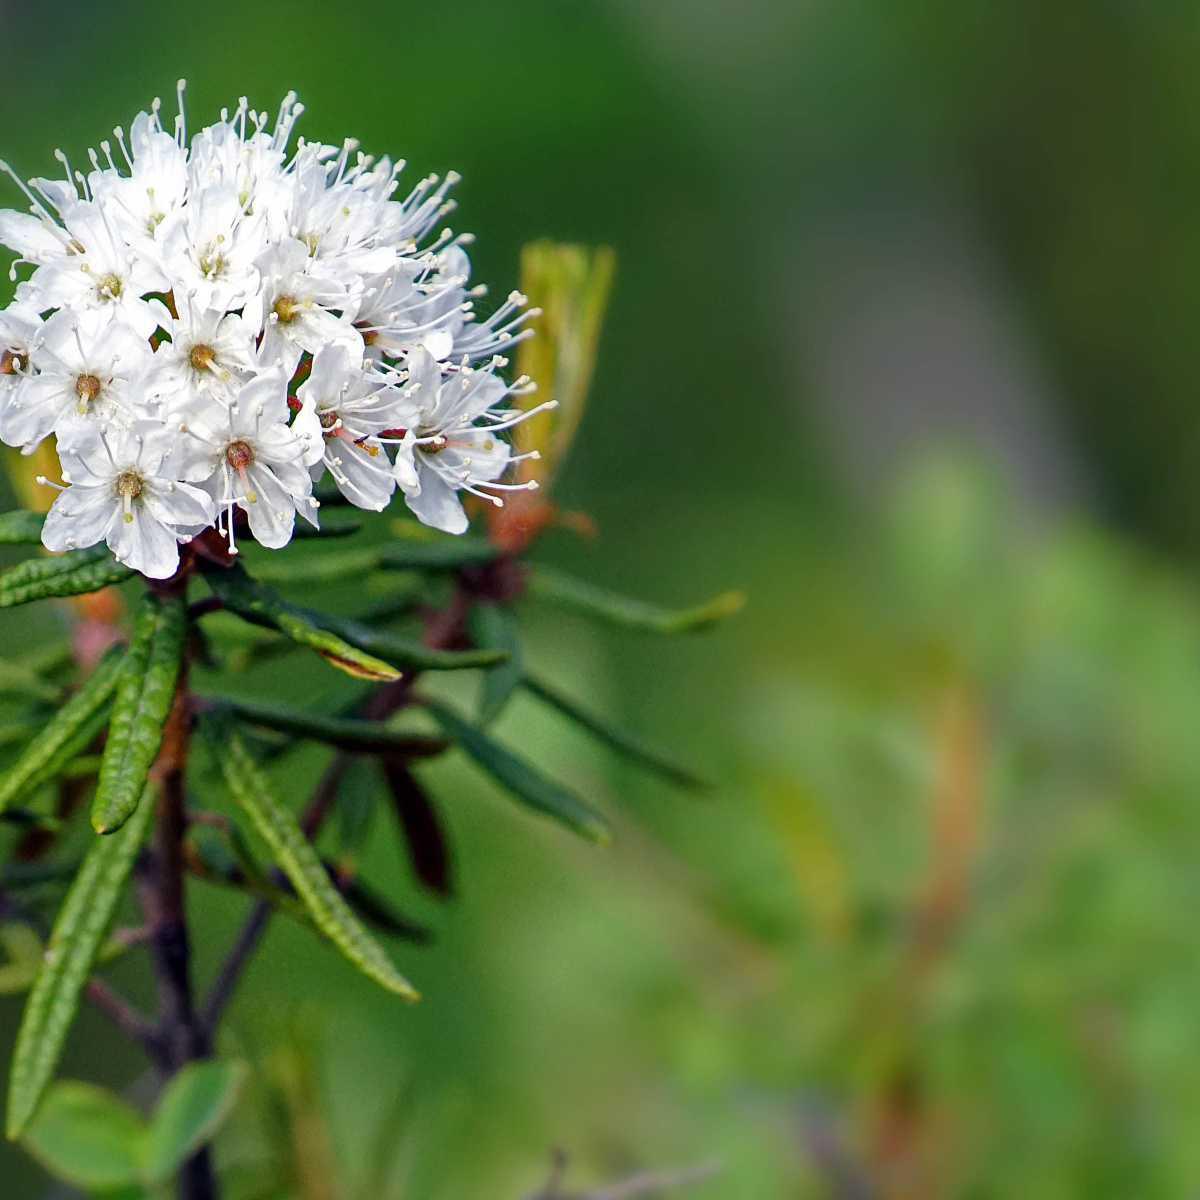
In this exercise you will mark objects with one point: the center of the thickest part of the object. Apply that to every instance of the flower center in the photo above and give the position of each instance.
(329, 418)
(87, 388)
(129, 487)
(12, 362)
(287, 309)
(202, 357)
(212, 260)
(110, 287)
(239, 455)
(130, 483)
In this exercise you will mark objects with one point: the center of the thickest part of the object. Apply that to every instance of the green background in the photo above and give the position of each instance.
(903, 344)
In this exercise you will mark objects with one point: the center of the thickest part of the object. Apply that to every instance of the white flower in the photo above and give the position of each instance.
(210, 353)
(211, 324)
(340, 217)
(299, 309)
(86, 365)
(20, 331)
(118, 494)
(444, 451)
(145, 205)
(246, 456)
(98, 270)
(210, 254)
(347, 410)
(412, 305)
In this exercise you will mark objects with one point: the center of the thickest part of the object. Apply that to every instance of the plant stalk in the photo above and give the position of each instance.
(183, 1035)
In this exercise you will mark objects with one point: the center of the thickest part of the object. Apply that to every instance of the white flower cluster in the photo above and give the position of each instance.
(211, 326)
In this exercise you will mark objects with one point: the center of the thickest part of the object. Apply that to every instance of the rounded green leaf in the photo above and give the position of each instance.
(87, 1136)
(194, 1105)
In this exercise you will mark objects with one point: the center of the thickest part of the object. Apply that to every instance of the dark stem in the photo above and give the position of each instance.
(161, 891)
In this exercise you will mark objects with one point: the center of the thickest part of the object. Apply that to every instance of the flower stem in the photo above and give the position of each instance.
(183, 1035)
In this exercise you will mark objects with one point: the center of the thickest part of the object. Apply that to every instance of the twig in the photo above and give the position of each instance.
(238, 958)
(161, 891)
(128, 1020)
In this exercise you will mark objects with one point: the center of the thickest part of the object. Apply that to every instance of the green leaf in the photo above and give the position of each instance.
(298, 860)
(145, 692)
(592, 601)
(347, 733)
(32, 676)
(420, 547)
(87, 1136)
(329, 566)
(263, 606)
(68, 733)
(70, 574)
(409, 654)
(348, 645)
(494, 627)
(75, 942)
(358, 798)
(618, 739)
(521, 779)
(21, 528)
(329, 529)
(194, 1106)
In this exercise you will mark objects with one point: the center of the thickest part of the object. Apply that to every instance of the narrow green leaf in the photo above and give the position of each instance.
(347, 733)
(409, 654)
(494, 627)
(261, 605)
(75, 942)
(228, 860)
(299, 862)
(145, 691)
(348, 645)
(592, 601)
(69, 732)
(193, 1107)
(358, 798)
(329, 529)
(447, 555)
(620, 740)
(21, 528)
(87, 1136)
(20, 678)
(329, 566)
(527, 784)
(70, 574)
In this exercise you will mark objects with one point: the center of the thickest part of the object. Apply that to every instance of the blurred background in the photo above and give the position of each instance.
(902, 343)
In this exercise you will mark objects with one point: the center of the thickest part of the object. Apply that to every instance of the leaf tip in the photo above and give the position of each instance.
(727, 604)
